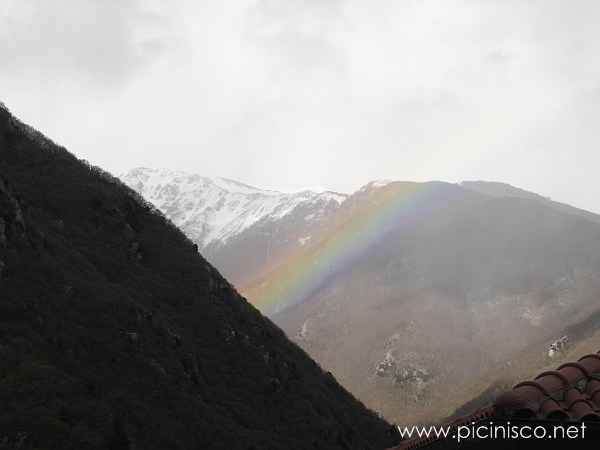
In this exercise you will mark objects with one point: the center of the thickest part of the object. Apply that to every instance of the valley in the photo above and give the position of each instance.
(417, 296)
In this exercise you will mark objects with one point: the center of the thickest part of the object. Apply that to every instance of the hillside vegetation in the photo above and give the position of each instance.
(116, 334)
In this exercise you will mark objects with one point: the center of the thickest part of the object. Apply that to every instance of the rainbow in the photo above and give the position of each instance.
(361, 224)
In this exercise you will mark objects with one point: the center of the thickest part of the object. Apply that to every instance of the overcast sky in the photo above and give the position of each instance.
(289, 94)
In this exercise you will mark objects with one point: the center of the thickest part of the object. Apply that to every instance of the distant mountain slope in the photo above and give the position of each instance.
(496, 189)
(116, 334)
(235, 225)
(412, 289)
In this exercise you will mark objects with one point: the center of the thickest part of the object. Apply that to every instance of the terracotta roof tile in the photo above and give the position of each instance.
(571, 392)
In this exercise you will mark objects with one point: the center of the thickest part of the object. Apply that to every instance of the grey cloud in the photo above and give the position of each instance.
(105, 42)
(297, 35)
(277, 92)
(303, 51)
(498, 56)
(296, 8)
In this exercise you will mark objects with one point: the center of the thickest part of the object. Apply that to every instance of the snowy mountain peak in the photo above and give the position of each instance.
(375, 184)
(151, 178)
(212, 210)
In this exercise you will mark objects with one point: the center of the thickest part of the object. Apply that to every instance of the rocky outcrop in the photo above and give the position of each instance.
(406, 371)
(12, 222)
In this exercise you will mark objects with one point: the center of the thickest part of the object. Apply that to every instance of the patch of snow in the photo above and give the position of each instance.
(304, 240)
(533, 317)
(375, 185)
(334, 196)
(380, 183)
(303, 333)
(240, 188)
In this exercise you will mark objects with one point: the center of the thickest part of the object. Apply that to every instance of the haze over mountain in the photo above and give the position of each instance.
(116, 334)
(409, 292)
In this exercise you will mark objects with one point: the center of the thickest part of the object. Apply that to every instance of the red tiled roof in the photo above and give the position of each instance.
(571, 393)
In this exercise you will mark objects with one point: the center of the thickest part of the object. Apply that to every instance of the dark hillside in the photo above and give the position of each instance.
(116, 334)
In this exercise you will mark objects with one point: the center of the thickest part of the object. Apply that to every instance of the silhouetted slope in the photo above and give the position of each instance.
(116, 334)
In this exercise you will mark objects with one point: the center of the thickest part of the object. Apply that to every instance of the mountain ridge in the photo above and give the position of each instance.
(498, 189)
(230, 206)
(116, 334)
(211, 223)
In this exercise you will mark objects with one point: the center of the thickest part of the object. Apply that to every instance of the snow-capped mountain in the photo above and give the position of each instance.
(235, 224)
(212, 210)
